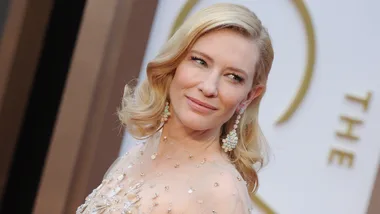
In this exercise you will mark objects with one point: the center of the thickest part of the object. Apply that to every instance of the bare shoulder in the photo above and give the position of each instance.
(226, 178)
(225, 189)
(122, 160)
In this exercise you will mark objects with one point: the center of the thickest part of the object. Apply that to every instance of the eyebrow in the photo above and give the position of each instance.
(203, 54)
(212, 61)
(238, 70)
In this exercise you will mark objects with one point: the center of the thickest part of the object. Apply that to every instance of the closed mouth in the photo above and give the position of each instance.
(202, 103)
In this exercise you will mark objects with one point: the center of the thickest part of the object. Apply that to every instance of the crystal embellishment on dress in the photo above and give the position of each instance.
(114, 192)
(203, 161)
(120, 177)
(108, 193)
(155, 195)
(153, 157)
(123, 191)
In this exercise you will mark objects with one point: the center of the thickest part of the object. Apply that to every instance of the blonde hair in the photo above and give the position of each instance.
(142, 107)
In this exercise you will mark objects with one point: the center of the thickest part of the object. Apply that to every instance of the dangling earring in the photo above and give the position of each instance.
(166, 113)
(230, 142)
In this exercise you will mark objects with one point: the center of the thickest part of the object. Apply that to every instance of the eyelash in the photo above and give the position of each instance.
(201, 62)
(237, 78)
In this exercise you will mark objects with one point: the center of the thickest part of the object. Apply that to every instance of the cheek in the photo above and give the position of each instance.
(231, 97)
(187, 76)
(184, 77)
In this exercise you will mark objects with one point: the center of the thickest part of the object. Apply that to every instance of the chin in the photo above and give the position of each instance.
(197, 122)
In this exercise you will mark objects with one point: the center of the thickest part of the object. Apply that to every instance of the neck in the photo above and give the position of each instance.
(180, 136)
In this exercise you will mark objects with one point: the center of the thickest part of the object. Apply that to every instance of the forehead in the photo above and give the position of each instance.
(229, 48)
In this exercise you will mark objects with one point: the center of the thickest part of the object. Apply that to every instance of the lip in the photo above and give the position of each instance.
(199, 105)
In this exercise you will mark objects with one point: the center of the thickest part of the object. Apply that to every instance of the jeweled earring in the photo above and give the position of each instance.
(166, 113)
(230, 142)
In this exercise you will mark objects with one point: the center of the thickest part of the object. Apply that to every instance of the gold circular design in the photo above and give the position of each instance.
(309, 70)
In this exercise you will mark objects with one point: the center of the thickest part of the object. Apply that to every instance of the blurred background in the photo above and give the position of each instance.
(64, 64)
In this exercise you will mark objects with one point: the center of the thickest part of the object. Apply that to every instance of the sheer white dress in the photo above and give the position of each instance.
(144, 181)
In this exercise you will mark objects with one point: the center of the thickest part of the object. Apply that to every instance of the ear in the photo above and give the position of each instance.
(252, 95)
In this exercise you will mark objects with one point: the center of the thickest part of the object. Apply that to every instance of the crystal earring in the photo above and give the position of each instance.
(166, 113)
(230, 142)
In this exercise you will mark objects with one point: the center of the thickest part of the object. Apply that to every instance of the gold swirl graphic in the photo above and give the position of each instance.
(183, 14)
(308, 73)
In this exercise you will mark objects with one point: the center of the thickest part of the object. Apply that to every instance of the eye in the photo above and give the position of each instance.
(236, 78)
(199, 60)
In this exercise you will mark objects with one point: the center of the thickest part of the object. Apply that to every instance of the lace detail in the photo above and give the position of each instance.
(140, 182)
(113, 195)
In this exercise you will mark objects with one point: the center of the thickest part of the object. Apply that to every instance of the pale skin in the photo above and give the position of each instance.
(218, 71)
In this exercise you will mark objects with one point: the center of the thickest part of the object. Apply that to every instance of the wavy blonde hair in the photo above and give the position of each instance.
(142, 106)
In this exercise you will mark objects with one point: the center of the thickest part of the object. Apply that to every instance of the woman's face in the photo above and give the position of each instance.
(214, 80)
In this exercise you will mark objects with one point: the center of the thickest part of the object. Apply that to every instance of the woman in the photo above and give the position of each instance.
(198, 112)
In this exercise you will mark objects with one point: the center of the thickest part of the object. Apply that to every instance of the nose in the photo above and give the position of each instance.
(209, 85)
